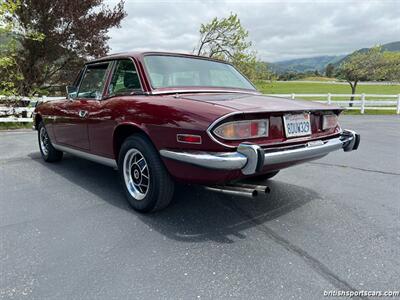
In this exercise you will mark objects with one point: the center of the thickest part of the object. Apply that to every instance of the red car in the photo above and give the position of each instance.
(165, 117)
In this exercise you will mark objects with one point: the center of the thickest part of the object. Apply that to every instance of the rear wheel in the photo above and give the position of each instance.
(147, 184)
(48, 152)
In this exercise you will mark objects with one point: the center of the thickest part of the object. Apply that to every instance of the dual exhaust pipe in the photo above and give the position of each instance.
(240, 189)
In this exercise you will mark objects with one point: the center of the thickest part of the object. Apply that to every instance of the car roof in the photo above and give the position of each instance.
(140, 54)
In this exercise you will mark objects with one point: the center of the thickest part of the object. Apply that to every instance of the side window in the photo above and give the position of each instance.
(93, 81)
(125, 78)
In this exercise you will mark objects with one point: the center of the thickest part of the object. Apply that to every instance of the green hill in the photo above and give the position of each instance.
(319, 63)
(305, 64)
(395, 46)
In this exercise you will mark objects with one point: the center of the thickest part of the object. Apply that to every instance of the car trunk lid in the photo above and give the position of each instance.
(252, 107)
(257, 103)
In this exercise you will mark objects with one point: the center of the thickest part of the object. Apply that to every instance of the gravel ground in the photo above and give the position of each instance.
(66, 231)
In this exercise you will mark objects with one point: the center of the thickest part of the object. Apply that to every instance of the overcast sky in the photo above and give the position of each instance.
(279, 30)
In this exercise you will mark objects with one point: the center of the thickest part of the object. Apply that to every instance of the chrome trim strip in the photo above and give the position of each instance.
(247, 159)
(216, 160)
(50, 117)
(96, 158)
(177, 91)
(311, 151)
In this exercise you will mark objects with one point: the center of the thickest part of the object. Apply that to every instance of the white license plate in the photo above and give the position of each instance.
(297, 125)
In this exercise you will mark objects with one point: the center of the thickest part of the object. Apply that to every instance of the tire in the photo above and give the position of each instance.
(147, 184)
(48, 152)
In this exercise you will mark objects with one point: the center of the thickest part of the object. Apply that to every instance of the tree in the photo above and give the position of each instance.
(389, 70)
(55, 37)
(226, 39)
(329, 70)
(223, 37)
(9, 73)
(360, 66)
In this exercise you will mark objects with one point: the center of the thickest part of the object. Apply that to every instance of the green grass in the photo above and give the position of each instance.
(288, 87)
(369, 112)
(15, 125)
(318, 78)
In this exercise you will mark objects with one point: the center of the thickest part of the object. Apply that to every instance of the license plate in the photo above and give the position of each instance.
(297, 125)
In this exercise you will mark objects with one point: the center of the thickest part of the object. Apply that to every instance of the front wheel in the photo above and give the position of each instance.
(48, 152)
(147, 184)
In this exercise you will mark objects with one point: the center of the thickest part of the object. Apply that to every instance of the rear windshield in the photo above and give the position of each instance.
(177, 71)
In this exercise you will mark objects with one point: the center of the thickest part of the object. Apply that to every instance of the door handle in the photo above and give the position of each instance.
(83, 113)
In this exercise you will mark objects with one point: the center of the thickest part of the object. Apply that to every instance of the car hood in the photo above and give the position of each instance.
(256, 103)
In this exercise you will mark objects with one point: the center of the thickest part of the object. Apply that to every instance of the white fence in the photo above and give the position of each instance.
(360, 102)
(21, 114)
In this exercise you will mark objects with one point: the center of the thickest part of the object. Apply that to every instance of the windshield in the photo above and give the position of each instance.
(178, 71)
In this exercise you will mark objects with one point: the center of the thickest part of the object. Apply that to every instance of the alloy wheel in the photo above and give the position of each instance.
(136, 174)
(44, 141)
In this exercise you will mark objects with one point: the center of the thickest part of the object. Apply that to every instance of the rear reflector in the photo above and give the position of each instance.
(188, 138)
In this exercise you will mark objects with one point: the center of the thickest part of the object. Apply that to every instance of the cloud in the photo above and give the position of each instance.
(279, 30)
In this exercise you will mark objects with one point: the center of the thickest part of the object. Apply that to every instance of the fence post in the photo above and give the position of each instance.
(293, 97)
(362, 103)
(398, 104)
(329, 98)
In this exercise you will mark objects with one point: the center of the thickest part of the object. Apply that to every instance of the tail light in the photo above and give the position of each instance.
(239, 130)
(329, 121)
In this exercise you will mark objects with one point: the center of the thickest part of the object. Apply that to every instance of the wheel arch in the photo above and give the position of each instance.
(36, 121)
(123, 131)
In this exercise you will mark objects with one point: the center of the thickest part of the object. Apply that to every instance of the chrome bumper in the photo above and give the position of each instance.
(251, 158)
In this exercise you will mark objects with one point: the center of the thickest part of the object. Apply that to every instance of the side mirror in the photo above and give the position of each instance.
(71, 92)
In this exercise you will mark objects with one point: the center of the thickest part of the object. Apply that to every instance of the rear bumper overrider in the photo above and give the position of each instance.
(251, 158)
